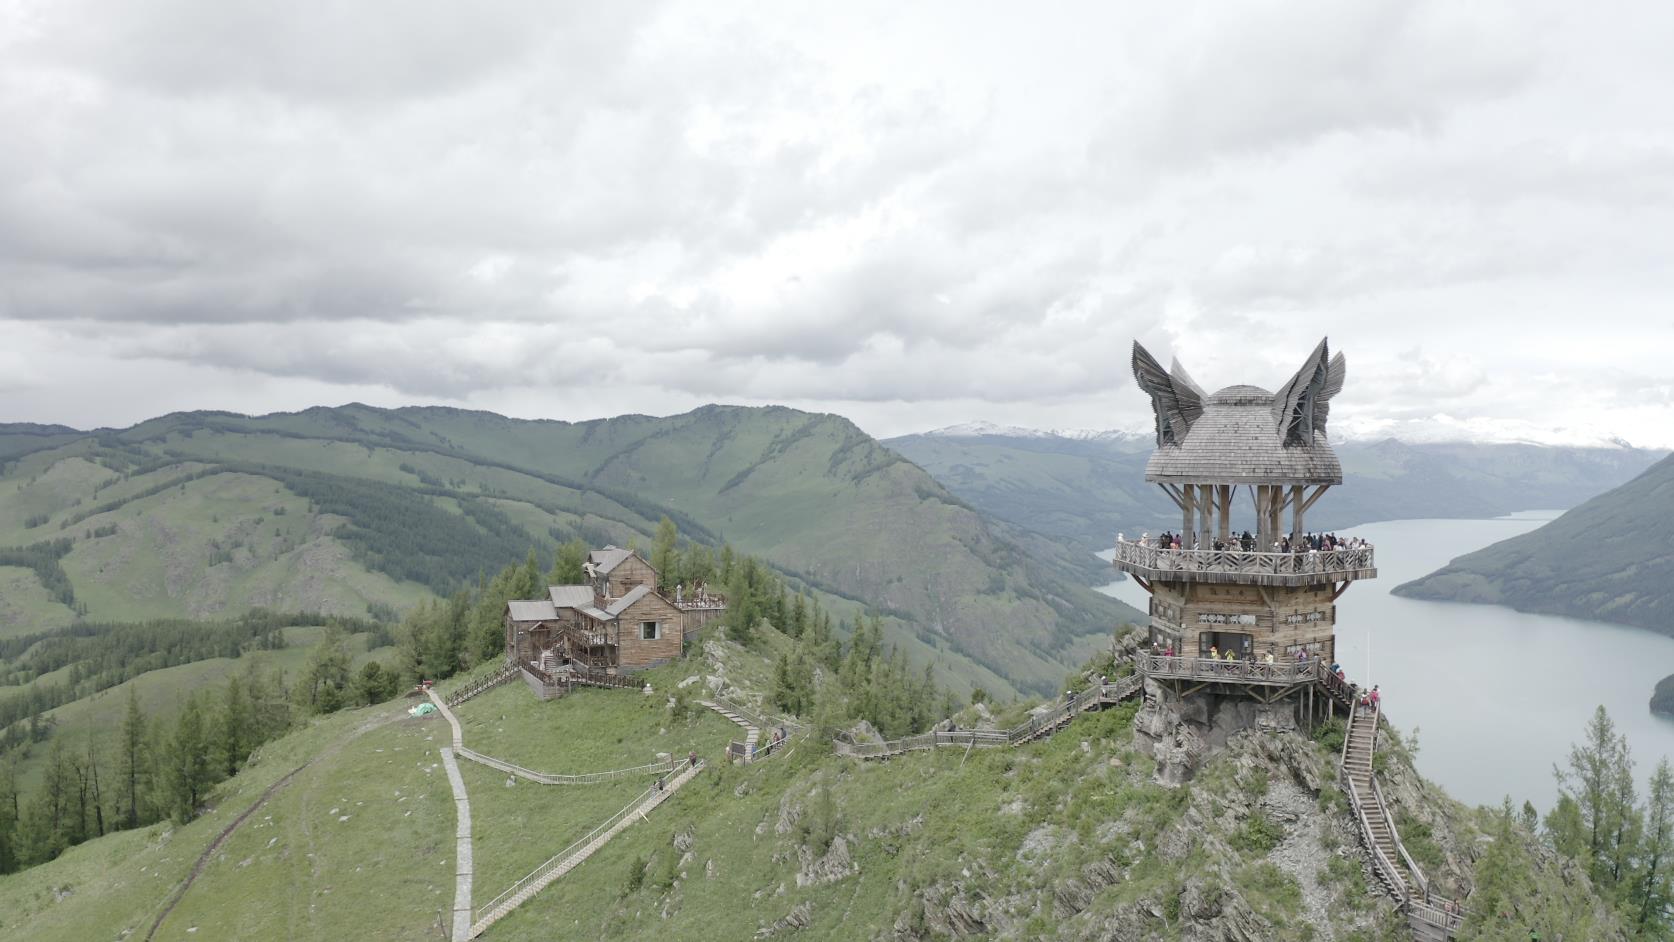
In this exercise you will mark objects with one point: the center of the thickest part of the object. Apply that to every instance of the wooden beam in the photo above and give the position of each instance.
(1319, 492)
(1142, 583)
(1173, 493)
(1338, 593)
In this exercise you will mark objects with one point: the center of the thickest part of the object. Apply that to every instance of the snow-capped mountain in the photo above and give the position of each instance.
(991, 430)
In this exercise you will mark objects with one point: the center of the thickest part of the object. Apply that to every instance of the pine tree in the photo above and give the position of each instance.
(95, 796)
(233, 738)
(133, 765)
(566, 567)
(665, 554)
(189, 771)
(1589, 781)
(797, 624)
(1652, 898)
(9, 861)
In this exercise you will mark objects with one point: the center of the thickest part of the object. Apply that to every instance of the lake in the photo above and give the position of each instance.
(1498, 696)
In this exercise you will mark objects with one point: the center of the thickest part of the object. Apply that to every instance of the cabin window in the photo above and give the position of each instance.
(649, 631)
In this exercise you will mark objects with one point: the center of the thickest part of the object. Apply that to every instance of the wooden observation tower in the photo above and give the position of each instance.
(1262, 591)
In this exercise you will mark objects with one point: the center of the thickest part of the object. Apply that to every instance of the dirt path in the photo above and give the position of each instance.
(226, 832)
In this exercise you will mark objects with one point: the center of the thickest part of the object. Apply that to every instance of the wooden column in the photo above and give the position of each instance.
(1205, 516)
(1187, 509)
(1296, 512)
(1226, 511)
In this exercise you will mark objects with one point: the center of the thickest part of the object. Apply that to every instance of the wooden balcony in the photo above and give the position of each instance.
(1237, 566)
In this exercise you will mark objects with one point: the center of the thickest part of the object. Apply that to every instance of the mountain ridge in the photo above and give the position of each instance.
(811, 493)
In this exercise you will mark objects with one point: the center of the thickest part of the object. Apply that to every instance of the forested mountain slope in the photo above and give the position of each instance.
(1087, 489)
(354, 509)
(1611, 558)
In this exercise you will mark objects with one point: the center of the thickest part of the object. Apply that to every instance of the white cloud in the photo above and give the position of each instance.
(902, 214)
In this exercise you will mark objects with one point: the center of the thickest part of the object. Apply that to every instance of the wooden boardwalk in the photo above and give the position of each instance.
(1096, 697)
(463, 859)
(574, 855)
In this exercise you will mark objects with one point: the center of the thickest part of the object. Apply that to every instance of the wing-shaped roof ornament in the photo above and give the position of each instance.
(1175, 398)
(1302, 405)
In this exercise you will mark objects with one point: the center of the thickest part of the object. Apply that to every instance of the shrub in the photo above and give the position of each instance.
(1258, 835)
(1331, 734)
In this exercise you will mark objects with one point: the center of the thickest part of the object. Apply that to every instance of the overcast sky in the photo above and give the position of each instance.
(912, 214)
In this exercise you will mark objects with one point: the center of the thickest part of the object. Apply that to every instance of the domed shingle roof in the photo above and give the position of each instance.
(1242, 434)
(1235, 441)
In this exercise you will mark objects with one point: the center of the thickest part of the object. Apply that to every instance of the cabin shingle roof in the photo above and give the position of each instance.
(570, 596)
(618, 606)
(607, 559)
(531, 609)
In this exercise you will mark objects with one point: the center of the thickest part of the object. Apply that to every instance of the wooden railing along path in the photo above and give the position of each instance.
(753, 723)
(1031, 729)
(558, 778)
(482, 684)
(572, 856)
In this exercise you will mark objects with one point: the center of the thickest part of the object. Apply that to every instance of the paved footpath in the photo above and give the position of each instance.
(462, 813)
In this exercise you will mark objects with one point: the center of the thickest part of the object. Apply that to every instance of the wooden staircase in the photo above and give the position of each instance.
(752, 731)
(1431, 918)
(573, 856)
(1357, 769)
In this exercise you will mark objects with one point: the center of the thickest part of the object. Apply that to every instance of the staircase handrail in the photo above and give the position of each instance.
(572, 848)
(844, 744)
(1334, 685)
(1418, 879)
(1342, 760)
(756, 718)
(1380, 861)
(580, 778)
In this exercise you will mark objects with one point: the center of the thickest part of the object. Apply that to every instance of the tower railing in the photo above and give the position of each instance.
(1237, 561)
(1280, 671)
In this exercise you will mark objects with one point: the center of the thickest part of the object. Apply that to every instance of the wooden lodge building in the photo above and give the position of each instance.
(1270, 595)
(616, 621)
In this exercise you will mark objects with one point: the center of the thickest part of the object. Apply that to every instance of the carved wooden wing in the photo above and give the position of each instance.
(1302, 405)
(1176, 400)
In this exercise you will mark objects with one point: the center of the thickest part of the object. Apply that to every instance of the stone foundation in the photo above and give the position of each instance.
(1182, 733)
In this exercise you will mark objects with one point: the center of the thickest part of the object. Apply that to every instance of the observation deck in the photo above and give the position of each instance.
(1233, 566)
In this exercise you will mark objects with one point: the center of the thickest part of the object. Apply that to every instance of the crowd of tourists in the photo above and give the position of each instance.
(1367, 698)
(1247, 542)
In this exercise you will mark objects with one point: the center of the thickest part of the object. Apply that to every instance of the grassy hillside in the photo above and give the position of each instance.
(1086, 491)
(355, 509)
(1068, 838)
(1607, 559)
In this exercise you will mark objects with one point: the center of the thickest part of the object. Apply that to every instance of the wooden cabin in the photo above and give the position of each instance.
(616, 621)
